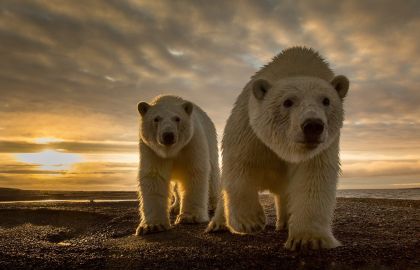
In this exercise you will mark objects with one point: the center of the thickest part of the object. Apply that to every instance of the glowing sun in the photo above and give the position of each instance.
(50, 159)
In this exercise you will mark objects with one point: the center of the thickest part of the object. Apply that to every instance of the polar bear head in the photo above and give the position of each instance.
(166, 127)
(297, 117)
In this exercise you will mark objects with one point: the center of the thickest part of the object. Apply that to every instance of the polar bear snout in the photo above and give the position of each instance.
(168, 139)
(312, 129)
(168, 134)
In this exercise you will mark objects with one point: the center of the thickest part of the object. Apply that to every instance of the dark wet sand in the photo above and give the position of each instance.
(376, 233)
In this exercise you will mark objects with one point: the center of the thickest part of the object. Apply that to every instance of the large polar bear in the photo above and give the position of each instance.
(283, 136)
(178, 143)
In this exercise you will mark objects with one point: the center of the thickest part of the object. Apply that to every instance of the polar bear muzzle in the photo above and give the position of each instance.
(312, 130)
(167, 138)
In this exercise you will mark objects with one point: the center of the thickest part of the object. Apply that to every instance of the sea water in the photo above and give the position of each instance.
(401, 194)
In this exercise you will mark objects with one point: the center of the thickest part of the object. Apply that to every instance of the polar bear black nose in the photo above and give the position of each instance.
(168, 138)
(312, 128)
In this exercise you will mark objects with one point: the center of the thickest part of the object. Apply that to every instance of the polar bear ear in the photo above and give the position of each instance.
(188, 107)
(260, 88)
(143, 107)
(341, 85)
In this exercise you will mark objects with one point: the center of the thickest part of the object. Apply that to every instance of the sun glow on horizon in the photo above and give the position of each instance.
(46, 140)
(50, 160)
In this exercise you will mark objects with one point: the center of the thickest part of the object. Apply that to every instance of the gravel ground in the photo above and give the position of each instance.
(376, 233)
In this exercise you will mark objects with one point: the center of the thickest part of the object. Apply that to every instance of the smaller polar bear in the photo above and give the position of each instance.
(283, 136)
(178, 157)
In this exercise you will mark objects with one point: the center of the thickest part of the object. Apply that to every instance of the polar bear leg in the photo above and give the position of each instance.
(244, 213)
(175, 199)
(281, 211)
(311, 206)
(214, 187)
(218, 222)
(154, 202)
(194, 192)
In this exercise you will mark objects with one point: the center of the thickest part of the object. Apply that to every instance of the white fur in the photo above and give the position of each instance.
(192, 163)
(264, 149)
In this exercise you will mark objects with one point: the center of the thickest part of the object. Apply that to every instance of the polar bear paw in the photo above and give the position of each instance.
(216, 226)
(143, 229)
(247, 224)
(186, 218)
(304, 241)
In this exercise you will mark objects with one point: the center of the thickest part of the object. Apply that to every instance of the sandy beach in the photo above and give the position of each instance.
(376, 234)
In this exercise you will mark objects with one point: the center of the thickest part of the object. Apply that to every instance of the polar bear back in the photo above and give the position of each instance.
(296, 61)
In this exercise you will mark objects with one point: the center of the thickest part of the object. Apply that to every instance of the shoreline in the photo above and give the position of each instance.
(96, 201)
(8, 195)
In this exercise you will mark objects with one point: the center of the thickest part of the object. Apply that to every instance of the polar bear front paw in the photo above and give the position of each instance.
(302, 241)
(186, 218)
(143, 229)
(247, 224)
(216, 226)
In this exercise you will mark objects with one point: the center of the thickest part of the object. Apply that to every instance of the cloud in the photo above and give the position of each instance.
(81, 176)
(87, 182)
(76, 70)
(68, 146)
(101, 58)
(373, 168)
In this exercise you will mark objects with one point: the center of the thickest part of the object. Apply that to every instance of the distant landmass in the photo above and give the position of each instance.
(12, 194)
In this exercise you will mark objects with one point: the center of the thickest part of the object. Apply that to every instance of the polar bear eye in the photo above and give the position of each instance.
(326, 101)
(157, 119)
(288, 103)
(177, 119)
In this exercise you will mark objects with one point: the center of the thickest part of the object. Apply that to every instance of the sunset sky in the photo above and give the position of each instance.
(72, 73)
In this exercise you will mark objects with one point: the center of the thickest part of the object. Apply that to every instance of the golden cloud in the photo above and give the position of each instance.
(76, 70)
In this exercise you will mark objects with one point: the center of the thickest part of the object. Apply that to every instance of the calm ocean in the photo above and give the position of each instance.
(406, 194)
(99, 196)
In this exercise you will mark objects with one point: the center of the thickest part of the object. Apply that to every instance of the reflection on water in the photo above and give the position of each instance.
(71, 201)
(402, 194)
(396, 194)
